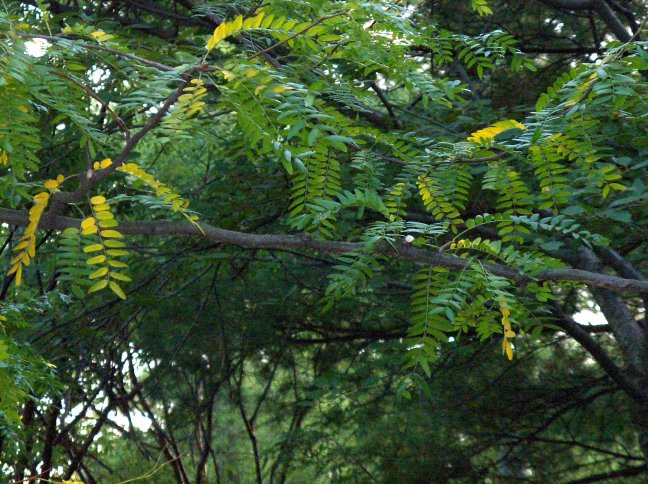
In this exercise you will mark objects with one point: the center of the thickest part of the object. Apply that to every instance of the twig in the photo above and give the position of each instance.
(118, 120)
(318, 21)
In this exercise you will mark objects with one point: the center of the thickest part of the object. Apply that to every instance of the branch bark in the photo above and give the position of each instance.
(307, 243)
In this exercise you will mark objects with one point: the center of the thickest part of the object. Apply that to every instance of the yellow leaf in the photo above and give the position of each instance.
(211, 43)
(97, 200)
(105, 163)
(114, 244)
(98, 259)
(237, 23)
(111, 234)
(90, 230)
(88, 222)
(19, 276)
(51, 184)
(117, 263)
(120, 277)
(489, 133)
(98, 273)
(506, 346)
(20, 246)
(256, 21)
(104, 215)
(116, 252)
(41, 197)
(280, 89)
(60, 179)
(105, 224)
(98, 286)
(92, 248)
(117, 290)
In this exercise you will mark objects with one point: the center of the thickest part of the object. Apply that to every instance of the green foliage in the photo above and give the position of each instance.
(370, 203)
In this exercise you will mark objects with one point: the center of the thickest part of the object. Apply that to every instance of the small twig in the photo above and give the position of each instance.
(89, 91)
(118, 53)
(318, 21)
(385, 102)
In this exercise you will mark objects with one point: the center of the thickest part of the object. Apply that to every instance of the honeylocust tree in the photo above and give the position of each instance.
(197, 192)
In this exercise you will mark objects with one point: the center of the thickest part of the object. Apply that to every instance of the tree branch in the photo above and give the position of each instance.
(574, 330)
(307, 243)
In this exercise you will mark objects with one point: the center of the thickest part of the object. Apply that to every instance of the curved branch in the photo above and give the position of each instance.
(608, 365)
(307, 243)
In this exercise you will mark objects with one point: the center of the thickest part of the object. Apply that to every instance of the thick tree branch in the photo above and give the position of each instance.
(570, 4)
(611, 20)
(575, 330)
(307, 243)
(93, 177)
(632, 338)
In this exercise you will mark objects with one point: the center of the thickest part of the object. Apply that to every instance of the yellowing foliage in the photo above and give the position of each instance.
(103, 224)
(177, 203)
(226, 29)
(488, 134)
(26, 248)
(508, 332)
(100, 165)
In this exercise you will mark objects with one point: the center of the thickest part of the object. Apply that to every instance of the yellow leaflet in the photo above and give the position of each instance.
(112, 234)
(105, 215)
(120, 277)
(98, 200)
(104, 224)
(114, 244)
(226, 29)
(508, 332)
(280, 89)
(93, 248)
(19, 275)
(98, 273)
(98, 259)
(98, 286)
(102, 164)
(117, 263)
(116, 252)
(26, 247)
(88, 222)
(117, 290)
(489, 133)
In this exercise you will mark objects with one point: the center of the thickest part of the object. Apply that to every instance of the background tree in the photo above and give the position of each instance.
(293, 241)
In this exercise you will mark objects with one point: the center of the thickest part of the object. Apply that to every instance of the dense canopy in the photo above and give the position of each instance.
(323, 241)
